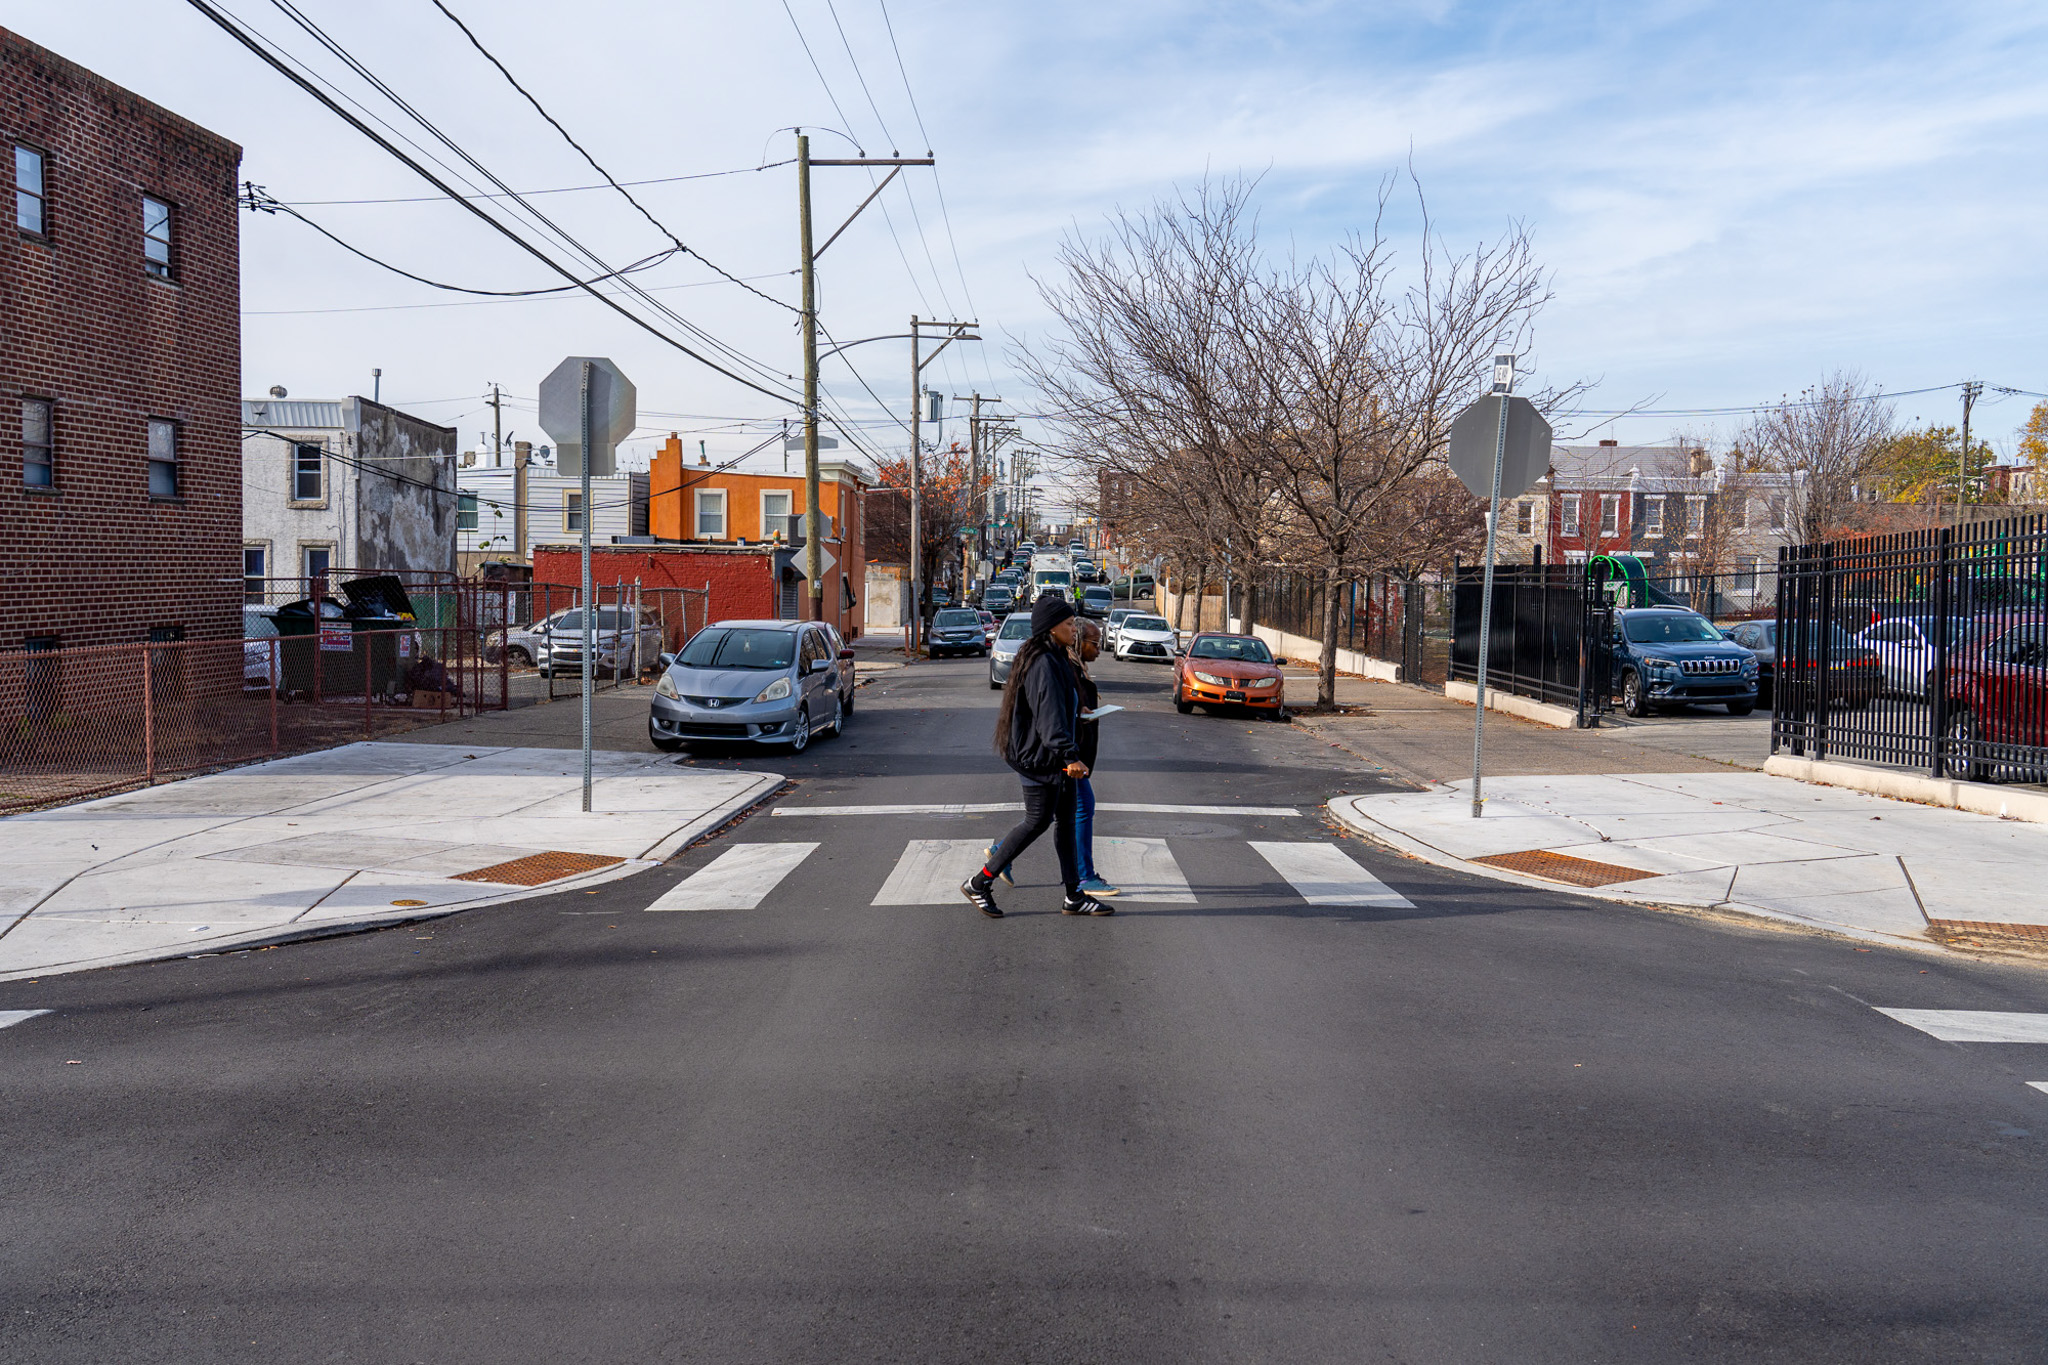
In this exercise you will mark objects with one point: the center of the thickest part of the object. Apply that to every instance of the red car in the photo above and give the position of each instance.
(1227, 670)
(1998, 703)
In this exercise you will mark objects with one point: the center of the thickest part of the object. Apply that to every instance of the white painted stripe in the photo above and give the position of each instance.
(9, 1018)
(2039, 1085)
(930, 872)
(738, 879)
(997, 807)
(1976, 1026)
(1325, 875)
(1142, 870)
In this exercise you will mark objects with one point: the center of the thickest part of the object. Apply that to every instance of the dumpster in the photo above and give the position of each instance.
(379, 609)
(319, 649)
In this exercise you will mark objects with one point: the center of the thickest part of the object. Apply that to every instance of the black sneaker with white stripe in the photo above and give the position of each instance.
(980, 892)
(1081, 904)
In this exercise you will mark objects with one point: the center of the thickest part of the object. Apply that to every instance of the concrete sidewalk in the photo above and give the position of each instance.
(1748, 842)
(326, 842)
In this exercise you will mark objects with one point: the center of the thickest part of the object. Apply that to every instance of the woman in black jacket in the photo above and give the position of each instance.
(1036, 733)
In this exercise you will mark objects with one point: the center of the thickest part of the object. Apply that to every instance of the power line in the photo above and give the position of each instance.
(858, 74)
(235, 31)
(610, 179)
(843, 119)
(530, 296)
(904, 71)
(563, 189)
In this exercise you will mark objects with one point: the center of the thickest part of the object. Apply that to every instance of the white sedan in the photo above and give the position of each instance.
(1147, 637)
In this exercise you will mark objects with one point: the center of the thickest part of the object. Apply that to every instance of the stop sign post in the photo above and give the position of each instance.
(1500, 447)
(588, 406)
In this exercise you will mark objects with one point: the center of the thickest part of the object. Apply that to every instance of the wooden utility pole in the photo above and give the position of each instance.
(955, 331)
(814, 600)
(497, 430)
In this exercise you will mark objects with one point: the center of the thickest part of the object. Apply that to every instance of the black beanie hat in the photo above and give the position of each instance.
(1048, 611)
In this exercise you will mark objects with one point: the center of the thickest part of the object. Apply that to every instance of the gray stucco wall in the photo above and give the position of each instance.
(405, 490)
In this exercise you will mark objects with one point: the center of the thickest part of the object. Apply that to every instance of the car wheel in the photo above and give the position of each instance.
(1965, 750)
(1634, 700)
(800, 736)
(519, 656)
(838, 725)
(846, 702)
(1743, 708)
(1181, 704)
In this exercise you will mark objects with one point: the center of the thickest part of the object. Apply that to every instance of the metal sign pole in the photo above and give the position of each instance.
(1503, 384)
(589, 634)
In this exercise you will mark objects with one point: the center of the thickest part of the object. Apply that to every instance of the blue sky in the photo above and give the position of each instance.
(1734, 198)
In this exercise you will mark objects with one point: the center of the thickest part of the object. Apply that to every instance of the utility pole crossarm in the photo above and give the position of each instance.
(877, 161)
(857, 212)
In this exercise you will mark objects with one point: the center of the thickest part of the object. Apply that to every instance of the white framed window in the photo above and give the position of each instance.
(1776, 510)
(1653, 516)
(1610, 513)
(315, 563)
(38, 443)
(572, 511)
(1568, 506)
(465, 511)
(710, 514)
(156, 237)
(775, 513)
(31, 207)
(309, 465)
(1525, 517)
(1696, 516)
(255, 570)
(163, 458)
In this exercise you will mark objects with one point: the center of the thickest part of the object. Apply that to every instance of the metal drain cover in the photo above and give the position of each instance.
(539, 869)
(1559, 867)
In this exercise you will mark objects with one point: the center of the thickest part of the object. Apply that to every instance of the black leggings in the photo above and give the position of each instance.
(1047, 804)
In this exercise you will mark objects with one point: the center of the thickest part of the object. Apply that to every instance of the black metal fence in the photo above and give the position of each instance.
(1401, 621)
(1924, 649)
(1547, 636)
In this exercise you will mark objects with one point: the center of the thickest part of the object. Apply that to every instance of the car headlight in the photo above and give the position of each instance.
(774, 691)
(1209, 678)
(665, 686)
(1263, 682)
(1660, 668)
(1749, 667)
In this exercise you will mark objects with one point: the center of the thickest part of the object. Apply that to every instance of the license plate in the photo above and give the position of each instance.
(1233, 696)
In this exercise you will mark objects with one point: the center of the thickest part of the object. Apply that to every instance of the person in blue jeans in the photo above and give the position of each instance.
(1080, 828)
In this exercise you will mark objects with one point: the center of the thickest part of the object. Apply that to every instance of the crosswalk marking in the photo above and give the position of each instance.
(1006, 807)
(738, 879)
(2039, 1085)
(9, 1018)
(930, 872)
(1142, 870)
(1324, 875)
(1976, 1026)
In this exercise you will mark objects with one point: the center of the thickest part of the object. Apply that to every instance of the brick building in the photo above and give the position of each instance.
(738, 582)
(120, 464)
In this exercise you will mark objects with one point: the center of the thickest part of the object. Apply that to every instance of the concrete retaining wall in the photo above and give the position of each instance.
(1508, 704)
(1982, 798)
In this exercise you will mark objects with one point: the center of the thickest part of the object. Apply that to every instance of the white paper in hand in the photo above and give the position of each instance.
(1099, 712)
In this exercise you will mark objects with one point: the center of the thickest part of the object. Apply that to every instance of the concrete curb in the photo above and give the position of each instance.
(1508, 704)
(1345, 811)
(273, 935)
(1979, 798)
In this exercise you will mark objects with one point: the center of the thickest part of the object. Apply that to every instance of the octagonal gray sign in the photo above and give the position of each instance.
(614, 412)
(1527, 457)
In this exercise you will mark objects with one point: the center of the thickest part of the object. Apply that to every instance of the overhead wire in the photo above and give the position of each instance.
(560, 189)
(283, 62)
(534, 296)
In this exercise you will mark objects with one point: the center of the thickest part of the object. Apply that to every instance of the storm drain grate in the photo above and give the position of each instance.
(1559, 867)
(539, 868)
(1969, 928)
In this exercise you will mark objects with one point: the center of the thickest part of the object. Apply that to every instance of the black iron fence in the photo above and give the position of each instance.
(1401, 621)
(1547, 636)
(1923, 649)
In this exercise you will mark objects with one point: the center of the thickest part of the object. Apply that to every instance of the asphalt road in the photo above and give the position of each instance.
(1484, 1125)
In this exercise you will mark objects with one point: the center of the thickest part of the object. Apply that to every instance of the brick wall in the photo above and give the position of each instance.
(742, 581)
(95, 559)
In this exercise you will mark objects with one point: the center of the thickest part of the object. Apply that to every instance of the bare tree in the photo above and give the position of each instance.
(1826, 442)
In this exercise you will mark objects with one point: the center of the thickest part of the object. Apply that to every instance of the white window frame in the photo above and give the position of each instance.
(1525, 517)
(1568, 514)
(697, 531)
(1653, 516)
(319, 499)
(160, 234)
(768, 530)
(260, 548)
(472, 510)
(307, 549)
(572, 509)
(161, 456)
(39, 197)
(1610, 514)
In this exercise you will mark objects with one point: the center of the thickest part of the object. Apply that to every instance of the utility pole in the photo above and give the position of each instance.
(1972, 390)
(814, 608)
(497, 430)
(955, 331)
(522, 451)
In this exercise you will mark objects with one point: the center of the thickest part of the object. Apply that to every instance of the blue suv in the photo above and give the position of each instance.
(1668, 656)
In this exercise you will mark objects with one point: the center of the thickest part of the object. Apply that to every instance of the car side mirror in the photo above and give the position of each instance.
(820, 665)
(667, 662)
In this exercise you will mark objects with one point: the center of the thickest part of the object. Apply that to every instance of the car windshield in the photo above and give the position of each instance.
(1015, 628)
(1118, 614)
(947, 619)
(1669, 628)
(1238, 647)
(572, 621)
(1055, 577)
(1096, 594)
(727, 648)
(1145, 623)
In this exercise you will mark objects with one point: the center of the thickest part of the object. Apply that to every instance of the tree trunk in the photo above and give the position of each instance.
(1178, 587)
(1201, 593)
(1248, 604)
(1326, 667)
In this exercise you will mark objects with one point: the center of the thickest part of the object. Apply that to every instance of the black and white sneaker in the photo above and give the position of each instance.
(981, 895)
(1085, 905)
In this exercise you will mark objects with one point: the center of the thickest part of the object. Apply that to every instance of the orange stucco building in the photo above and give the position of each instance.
(701, 502)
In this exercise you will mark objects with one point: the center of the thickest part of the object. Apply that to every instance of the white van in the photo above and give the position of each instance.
(1052, 573)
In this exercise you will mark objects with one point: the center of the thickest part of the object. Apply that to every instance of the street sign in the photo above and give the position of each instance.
(1525, 459)
(826, 560)
(613, 414)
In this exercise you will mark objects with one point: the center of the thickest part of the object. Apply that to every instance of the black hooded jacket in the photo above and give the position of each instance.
(1044, 722)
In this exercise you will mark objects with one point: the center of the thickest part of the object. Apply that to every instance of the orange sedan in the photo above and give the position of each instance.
(1226, 670)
